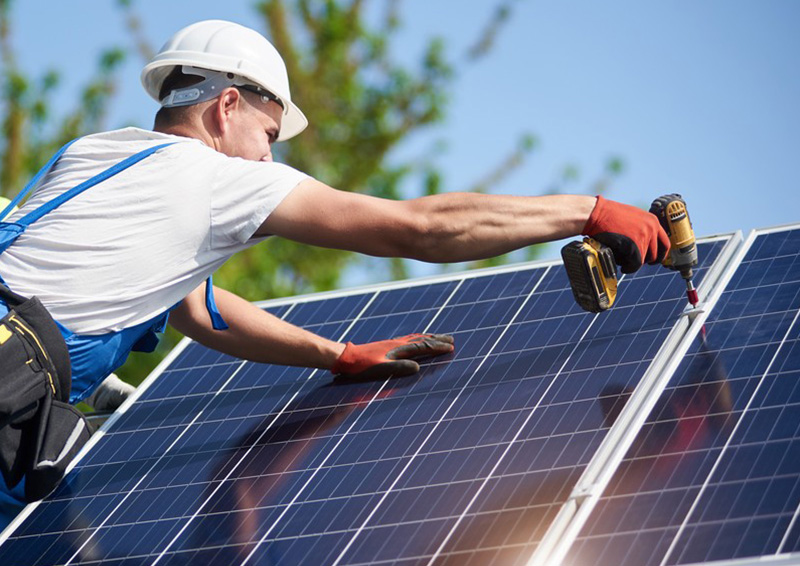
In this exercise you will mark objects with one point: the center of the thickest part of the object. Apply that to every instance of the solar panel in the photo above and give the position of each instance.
(224, 461)
(714, 474)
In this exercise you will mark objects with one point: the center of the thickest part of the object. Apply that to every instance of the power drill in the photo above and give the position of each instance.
(674, 218)
(593, 274)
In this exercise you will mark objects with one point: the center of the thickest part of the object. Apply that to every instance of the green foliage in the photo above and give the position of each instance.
(360, 102)
(31, 132)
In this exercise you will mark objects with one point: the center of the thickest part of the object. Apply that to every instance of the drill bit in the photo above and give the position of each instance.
(691, 293)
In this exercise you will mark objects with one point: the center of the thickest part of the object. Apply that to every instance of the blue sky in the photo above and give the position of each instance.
(700, 98)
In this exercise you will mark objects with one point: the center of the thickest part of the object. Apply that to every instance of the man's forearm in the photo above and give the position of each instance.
(253, 334)
(467, 226)
(258, 336)
(447, 227)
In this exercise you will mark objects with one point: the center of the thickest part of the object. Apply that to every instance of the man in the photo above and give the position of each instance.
(171, 205)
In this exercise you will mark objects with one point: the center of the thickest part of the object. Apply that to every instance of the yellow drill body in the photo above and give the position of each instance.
(674, 218)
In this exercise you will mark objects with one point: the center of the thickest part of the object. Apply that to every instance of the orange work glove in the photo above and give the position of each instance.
(634, 236)
(390, 358)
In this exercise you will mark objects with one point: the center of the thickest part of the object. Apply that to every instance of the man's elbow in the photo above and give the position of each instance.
(191, 316)
(420, 237)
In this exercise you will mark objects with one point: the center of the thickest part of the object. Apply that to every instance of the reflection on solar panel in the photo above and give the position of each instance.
(481, 459)
(715, 472)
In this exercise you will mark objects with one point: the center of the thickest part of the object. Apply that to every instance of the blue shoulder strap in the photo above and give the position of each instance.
(35, 215)
(217, 322)
(35, 180)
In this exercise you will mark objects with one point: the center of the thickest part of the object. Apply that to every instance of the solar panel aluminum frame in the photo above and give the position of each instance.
(598, 473)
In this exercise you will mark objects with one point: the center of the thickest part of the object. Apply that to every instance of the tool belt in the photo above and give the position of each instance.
(40, 432)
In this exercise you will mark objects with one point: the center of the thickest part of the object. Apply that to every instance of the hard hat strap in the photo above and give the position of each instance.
(213, 85)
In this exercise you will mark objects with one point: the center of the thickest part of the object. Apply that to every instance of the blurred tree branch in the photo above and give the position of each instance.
(486, 40)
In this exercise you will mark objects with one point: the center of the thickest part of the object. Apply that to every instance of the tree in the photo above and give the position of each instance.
(360, 102)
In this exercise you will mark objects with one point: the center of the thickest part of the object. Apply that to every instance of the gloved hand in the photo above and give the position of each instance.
(634, 236)
(110, 394)
(390, 358)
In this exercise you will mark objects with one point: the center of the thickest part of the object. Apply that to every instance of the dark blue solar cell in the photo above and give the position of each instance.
(389, 326)
(775, 244)
(556, 281)
(164, 413)
(409, 299)
(315, 312)
(196, 355)
(189, 381)
(494, 287)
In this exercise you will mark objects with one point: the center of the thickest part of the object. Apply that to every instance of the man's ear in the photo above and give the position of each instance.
(229, 101)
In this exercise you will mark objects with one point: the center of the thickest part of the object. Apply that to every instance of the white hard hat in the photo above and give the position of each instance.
(226, 47)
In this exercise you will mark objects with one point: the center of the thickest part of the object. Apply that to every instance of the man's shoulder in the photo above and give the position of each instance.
(130, 140)
(129, 134)
(115, 145)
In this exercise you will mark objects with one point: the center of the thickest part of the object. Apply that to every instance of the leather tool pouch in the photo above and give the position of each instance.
(40, 432)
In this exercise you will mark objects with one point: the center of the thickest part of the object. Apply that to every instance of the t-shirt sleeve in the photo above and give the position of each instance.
(244, 194)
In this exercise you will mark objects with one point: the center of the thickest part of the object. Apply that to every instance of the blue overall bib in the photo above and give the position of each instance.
(92, 357)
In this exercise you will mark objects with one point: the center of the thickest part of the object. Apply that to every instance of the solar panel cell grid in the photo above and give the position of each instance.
(222, 461)
(715, 472)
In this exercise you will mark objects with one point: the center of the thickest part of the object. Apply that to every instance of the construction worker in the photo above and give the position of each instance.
(126, 227)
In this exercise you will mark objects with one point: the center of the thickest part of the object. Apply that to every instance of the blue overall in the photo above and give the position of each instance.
(92, 357)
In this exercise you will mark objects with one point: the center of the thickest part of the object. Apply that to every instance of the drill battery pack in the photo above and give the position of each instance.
(592, 274)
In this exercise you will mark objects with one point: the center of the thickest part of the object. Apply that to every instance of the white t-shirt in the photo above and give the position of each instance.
(134, 245)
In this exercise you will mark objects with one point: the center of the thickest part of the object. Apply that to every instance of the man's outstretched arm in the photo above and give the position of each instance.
(258, 336)
(452, 227)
